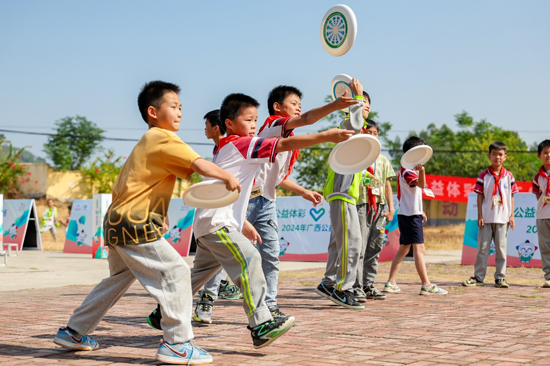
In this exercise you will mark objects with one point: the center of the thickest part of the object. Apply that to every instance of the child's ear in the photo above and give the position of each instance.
(276, 107)
(152, 112)
(228, 124)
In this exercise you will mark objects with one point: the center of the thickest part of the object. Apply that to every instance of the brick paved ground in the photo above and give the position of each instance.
(483, 326)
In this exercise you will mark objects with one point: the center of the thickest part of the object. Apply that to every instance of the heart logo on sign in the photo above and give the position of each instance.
(316, 214)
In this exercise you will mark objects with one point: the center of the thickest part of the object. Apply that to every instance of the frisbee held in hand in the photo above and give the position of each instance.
(209, 194)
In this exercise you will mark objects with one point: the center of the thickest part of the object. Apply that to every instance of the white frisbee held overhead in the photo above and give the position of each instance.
(354, 155)
(417, 155)
(341, 84)
(338, 30)
(209, 194)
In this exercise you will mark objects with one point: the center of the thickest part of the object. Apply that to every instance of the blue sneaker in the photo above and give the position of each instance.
(69, 339)
(182, 354)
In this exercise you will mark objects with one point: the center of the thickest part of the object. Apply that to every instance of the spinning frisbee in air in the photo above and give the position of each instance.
(415, 156)
(209, 194)
(354, 155)
(338, 30)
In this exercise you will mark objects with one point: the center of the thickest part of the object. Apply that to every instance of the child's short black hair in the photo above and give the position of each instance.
(152, 94)
(542, 145)
(278, 95)
(497, 145)
(372, 124)
(233, 105)
(214, 118)
(366, 95)
(411, 142)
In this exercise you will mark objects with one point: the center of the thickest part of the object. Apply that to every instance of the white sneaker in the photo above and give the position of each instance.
(388, 287)
(432, 290)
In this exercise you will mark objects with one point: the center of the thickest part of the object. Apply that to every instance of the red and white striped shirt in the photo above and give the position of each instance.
(242, 157)
(408, 194)
(539, 187)
(485, 185)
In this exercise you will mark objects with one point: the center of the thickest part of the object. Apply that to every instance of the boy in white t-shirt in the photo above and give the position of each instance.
(542, 189)
(495, 188)
(223, 235)
(410, 184)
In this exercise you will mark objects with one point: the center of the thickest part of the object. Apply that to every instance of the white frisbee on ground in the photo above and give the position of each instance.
(417, 155)
(354, 155)
(209, 194)
(340, 84)
(338, 30)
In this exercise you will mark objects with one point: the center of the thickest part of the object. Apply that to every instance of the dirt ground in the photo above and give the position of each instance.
(436, 237)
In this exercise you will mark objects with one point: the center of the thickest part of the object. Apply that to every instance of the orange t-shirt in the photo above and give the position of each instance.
(143, 190)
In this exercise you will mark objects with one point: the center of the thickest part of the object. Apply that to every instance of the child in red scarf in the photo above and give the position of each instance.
(542, 189)
(495, 207)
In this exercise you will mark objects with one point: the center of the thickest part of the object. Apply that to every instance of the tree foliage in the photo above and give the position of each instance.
(12, 172)
(101, 174)
(73, 144)
(464, 153)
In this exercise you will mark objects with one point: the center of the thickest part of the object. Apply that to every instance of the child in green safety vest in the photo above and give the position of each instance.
(49, 219)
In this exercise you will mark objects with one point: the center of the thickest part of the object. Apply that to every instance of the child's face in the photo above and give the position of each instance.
(544, 156)
(210, 131)
(245, 123)
(291, 107)
(50, 203)
(372, 131)
(366, 109)
(497, 157)
(168, 116)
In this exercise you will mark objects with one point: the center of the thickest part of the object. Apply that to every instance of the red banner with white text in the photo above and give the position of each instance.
(456, 189)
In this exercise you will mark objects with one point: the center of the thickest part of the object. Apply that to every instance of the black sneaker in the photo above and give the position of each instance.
(275, 312)
(373, 294)
(324, 290)
(346, 299)
(154, 318)
(360, 295)
(264, 334)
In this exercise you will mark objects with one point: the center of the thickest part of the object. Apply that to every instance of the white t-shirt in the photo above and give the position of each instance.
(496, 214)
(271, 175)
(242, 157)
(408, 194)
(539, 187)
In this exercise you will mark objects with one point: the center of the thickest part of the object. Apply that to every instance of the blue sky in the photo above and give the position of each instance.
(421, 61)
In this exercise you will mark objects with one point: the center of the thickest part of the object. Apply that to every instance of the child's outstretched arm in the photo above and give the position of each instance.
(208, 169)
(315, 114)
(306, 194)
(303, 141)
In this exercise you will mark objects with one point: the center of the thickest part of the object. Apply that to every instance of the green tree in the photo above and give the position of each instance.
(101, 174)
(12, 172)
(73, 144)
(311, 169)
(464, 153)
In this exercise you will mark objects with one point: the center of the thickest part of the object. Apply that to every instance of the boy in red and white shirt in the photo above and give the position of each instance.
(495, 190)
(223, 235)
(542, 189)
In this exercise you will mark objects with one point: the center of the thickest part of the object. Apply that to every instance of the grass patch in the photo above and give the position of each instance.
(532, 296)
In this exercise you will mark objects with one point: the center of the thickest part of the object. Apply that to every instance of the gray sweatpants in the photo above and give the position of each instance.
(543, 229)
(372, 242)
(491, 232)
(344, 246)
(160, 270)
(229, 248)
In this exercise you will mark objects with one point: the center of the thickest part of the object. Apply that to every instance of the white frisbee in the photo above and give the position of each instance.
(338, 30)
(209, 194)
(354, 155)
(417, 155)
(340, 84)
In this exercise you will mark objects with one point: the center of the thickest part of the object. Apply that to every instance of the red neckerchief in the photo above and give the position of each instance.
(496, 186)
(295, 153)
(398, 185)
(372, 197)
(544, 174)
